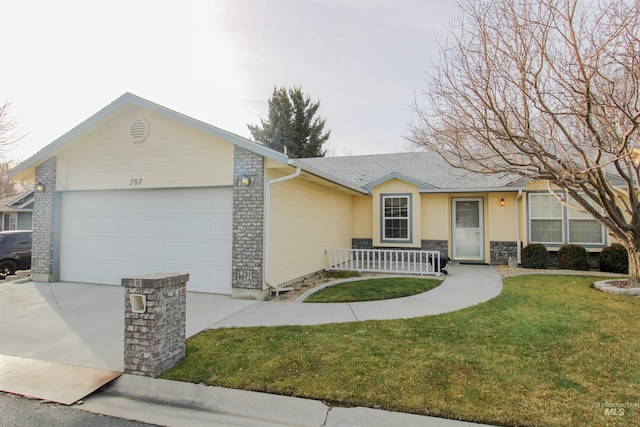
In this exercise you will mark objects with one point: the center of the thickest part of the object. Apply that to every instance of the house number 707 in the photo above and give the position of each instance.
(135, 181)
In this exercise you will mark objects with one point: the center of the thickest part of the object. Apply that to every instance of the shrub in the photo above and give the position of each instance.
(535, 255)
(614, 259)
(573, 257)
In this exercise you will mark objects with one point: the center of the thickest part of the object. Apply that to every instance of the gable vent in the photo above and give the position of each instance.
(139, 130)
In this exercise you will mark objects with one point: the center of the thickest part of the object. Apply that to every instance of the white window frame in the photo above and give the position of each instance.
(384, 218)
(566, 218)
(583, 216)
(531, 219)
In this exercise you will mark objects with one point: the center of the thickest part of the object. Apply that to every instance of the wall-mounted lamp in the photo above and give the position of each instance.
(39, 187)
(245, 180)
(502, 202)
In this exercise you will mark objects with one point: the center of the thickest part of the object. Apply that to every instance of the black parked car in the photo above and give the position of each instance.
(15, 251)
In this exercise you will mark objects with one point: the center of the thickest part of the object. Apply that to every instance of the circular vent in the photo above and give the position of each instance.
(139, 130)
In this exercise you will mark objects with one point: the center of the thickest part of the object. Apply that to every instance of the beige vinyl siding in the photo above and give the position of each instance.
(502, 219)
(173, 156)
(436, 217)
(306, 219)
(537, 186)
(396, 186)
(362, 217)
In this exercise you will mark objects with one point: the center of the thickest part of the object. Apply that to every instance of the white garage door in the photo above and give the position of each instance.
(108, 235)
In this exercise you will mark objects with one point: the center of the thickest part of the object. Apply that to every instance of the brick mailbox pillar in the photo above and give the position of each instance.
(155, 309)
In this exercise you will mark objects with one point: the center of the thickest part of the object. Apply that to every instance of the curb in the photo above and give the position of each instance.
(226, 406)
(605, 286)
(265, 407)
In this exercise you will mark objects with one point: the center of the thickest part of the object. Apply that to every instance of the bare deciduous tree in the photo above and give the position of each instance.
(9, 137)
(545, 90)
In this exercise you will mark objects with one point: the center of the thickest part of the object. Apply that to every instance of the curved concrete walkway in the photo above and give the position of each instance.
(465, 286)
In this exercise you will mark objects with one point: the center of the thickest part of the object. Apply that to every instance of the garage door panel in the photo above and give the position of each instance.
(108, 235)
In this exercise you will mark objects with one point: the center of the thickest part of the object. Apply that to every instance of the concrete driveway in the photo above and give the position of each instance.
(83, 324)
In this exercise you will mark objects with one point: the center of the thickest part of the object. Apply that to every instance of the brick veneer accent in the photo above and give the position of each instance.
(502, 251)
(425, 245)
(248, 224)
(155, 340)
(436, 245)
(44, 209)
(361, 243)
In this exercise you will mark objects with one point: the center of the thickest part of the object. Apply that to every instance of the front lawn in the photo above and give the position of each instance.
(548, 351)
(373, 289)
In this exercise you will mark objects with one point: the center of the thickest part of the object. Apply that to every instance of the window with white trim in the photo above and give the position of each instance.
(396, 221)
(545, 216)
(552, 223)
(10, 221)
(582, 227)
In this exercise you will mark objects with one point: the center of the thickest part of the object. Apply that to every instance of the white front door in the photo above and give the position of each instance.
(468, 230)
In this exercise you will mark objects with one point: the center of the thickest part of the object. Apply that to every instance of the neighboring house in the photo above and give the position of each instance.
(138, 188)
(17, 212)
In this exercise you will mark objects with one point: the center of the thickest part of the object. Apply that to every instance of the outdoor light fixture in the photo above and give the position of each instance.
(245, 180)
(502, 202)
(39, 187)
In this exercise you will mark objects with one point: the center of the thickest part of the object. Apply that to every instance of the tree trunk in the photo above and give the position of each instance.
(634, 265)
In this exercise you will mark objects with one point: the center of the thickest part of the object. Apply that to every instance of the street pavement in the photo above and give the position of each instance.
(18, 411)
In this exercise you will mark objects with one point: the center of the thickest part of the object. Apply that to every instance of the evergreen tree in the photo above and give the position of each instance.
(291, 124)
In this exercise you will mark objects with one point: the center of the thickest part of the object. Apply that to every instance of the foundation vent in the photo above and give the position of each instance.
(139, 130)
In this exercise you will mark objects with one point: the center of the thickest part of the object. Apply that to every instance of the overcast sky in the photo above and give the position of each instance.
(218, 61)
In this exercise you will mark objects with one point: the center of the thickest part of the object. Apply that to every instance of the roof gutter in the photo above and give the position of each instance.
(327, 177)
(267, 219)
(470, 190)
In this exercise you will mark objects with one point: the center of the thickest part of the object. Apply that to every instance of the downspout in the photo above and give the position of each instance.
(518, 249)
(267, 215)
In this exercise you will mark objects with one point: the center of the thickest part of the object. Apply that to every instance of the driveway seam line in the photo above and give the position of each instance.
(54, 297)
(353, 312)
(213, 325)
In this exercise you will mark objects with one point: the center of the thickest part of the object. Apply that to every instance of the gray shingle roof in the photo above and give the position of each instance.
(427, 168)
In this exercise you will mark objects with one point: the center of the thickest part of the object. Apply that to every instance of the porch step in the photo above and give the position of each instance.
(277, 291)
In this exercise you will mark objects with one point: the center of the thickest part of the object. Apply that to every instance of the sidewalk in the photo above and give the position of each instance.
(173, 403)
(83, 325)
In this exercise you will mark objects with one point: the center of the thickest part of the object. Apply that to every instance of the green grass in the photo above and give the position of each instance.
(546, 351)
(373, 289)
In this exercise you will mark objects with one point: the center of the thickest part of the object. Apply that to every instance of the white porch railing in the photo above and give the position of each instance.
(385, 261)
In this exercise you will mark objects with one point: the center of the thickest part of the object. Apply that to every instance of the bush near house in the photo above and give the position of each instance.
(573, 257)
(535, 255)
(614, 259)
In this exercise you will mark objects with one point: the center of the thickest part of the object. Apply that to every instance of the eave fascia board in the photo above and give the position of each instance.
(26, 198)
(129, 98)
(327, 177)
(14, 210)
(395, 175)
(46, 152)
(472, 190)
(211, 130)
